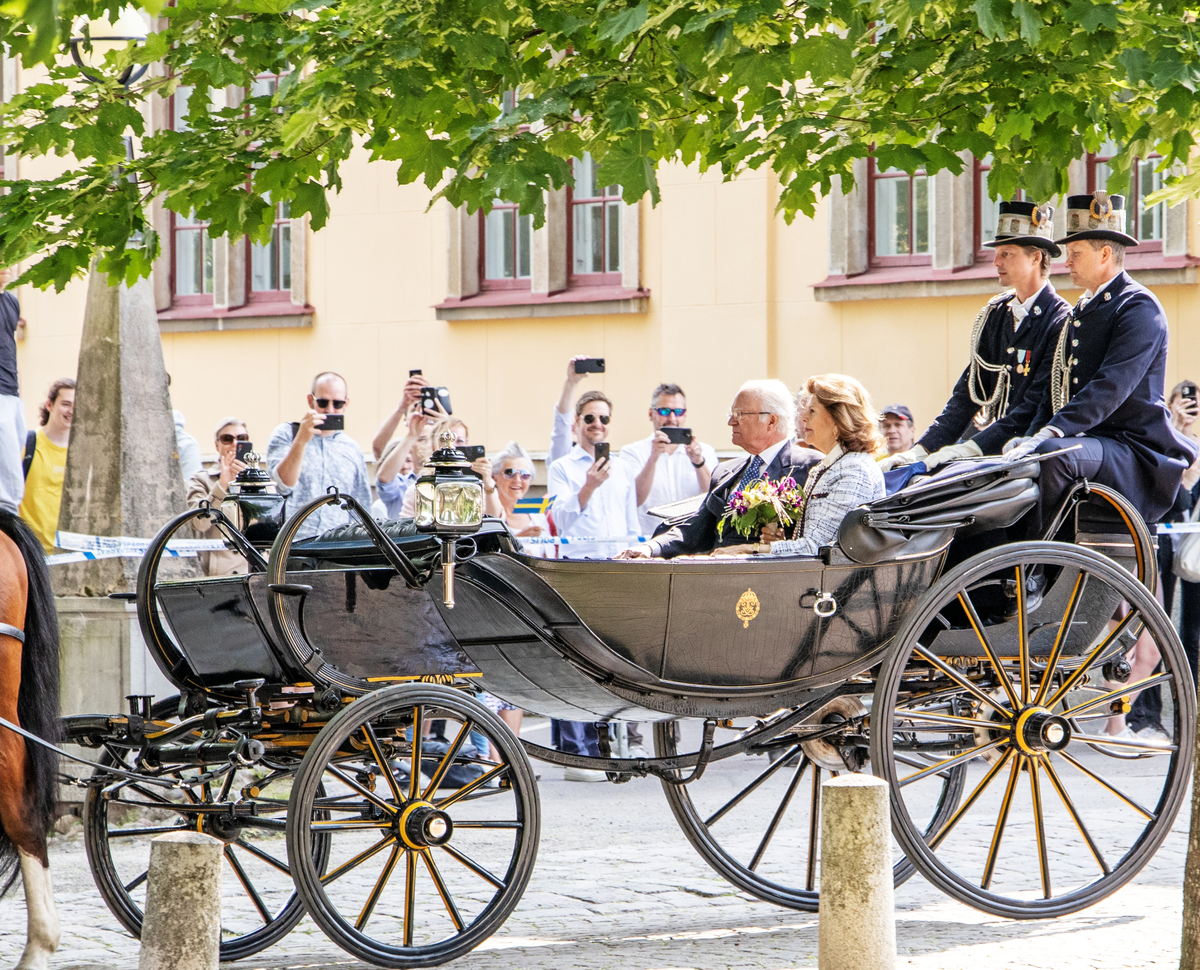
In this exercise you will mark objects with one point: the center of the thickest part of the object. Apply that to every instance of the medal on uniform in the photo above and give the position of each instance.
(1022, 361)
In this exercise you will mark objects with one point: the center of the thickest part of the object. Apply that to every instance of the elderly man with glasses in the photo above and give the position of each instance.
(762, 420)
(304, 458)
(664, 471)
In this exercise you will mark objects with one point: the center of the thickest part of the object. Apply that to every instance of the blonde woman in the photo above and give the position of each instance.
(481, 466)
(840, 421)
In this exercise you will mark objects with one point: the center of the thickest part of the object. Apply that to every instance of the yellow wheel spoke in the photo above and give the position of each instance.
(1022, 635)
(962, 681)
(1060, 641)
(977, 626)
(989, 869)
(447, 760)
(1082, 670)
(384, 767)
(1103, 783)
(358, 860)
(950, 762)
(1113, 695)
(1070, 807)
(410, 896)
(971, 799)
(1039, 825)
(414, 771)
(448, 901)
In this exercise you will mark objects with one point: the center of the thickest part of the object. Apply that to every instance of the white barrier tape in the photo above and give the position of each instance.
(126, 546)
(568, 540)
(64, 557)
(1179, 527)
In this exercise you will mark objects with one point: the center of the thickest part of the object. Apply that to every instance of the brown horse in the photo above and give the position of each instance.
(28, 698)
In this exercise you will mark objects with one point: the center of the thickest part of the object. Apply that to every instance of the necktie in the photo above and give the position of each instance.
(751, 473)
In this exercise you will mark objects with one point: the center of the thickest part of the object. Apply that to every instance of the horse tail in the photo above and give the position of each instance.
(38, 701)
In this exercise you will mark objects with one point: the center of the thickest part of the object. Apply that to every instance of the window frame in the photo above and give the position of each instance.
(982, 253)
(504, 283)
(184, 299)
(608, 277)
(912, 259)
(1133, 202)
(283, 294)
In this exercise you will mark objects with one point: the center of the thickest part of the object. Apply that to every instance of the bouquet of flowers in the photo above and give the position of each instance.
(760, 502)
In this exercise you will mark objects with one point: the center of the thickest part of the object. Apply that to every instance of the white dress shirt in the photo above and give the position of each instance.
(768, 455)
(1020, 309)
(674, 476)
(611, 511)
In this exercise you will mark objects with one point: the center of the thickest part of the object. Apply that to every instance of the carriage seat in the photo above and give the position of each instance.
(963, 499)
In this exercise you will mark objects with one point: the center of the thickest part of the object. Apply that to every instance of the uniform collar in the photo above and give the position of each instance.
(1107, 290)
(1020, 310)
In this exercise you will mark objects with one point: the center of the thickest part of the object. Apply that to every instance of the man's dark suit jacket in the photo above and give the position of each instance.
(698, 535)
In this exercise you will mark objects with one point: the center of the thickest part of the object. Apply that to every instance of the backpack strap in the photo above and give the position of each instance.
(30, 448)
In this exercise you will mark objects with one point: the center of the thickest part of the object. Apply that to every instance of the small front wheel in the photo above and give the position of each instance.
(425, 865)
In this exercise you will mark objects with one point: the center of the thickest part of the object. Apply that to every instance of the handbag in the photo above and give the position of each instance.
(1186, 560)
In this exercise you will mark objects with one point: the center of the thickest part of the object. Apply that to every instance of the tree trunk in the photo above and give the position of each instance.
(1189, 958)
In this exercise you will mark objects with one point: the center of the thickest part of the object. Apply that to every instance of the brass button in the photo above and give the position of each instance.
(1107, 296)
(1074, 343)
(1011, 350)
(1074, 380)
(1077, 323)
(1037, 311)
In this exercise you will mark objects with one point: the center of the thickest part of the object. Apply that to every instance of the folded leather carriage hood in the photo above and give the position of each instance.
(961, 500)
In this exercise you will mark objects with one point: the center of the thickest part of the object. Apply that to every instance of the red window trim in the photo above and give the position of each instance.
(983, 254)
(517, 283)
(588, 279)
(922, 259)
(1133, 204)
(185, 299)
(266, 296)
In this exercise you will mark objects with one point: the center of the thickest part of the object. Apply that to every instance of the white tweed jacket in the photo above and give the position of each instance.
(842, 481)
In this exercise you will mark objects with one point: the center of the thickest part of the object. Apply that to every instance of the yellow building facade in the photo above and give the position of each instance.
(713, 289)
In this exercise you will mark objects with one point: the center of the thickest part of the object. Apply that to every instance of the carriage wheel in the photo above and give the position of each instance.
(259, 904)
(757, 819)
(424, 866)
(1026, 715)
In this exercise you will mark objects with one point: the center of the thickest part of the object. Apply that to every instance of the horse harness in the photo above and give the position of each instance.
(12, 631)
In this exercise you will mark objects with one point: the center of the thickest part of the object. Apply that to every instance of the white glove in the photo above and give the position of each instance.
(967, 449)
(1010, 444)
(1028, 446)
(902, 458)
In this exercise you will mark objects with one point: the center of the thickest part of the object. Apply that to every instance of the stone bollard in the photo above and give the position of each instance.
(182, 928)
(857, 911)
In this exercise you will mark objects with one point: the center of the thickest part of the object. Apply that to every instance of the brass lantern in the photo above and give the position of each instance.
(449, 504)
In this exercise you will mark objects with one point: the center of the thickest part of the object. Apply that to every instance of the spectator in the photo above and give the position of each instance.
(188, 449)
(396, 469)
(305, 461)
(514, 474)
(212, 487)
(560, 434)
(896, 423)
(1145, 719)
(802, 401)
(45, 463)
(12, 413)
(592, 498)
(481, 467)
(664, 472)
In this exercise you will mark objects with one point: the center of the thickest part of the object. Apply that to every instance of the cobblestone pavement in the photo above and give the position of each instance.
(617, 885)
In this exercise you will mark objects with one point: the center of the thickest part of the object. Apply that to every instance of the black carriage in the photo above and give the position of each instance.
(326, 727)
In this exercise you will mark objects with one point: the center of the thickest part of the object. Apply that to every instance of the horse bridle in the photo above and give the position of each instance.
(12, 631)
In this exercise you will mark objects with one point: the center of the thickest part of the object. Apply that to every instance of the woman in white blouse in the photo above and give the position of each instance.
(841, 422)
(514, 475)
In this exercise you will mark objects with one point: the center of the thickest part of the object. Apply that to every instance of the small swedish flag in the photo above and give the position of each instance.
(533, 505)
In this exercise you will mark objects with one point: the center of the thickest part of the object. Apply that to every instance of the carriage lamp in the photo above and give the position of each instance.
(253, 505)
(449, 504)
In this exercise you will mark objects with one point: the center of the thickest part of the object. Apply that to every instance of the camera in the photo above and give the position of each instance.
(678, 436)
(431, 397)
(244, 448)
(589, 365)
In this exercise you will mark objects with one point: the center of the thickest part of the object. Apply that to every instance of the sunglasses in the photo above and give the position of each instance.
(591, 418)
(324, 402)
(666, 412)
(228, 439)
(518, 473)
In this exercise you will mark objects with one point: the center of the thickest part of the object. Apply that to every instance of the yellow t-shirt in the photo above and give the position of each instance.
(43, 489)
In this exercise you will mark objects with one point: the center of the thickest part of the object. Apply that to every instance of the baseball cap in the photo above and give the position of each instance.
(899, 410)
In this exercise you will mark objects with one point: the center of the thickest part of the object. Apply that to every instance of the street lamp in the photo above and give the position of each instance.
(88, 51)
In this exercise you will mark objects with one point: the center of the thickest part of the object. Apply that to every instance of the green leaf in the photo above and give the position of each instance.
(620, 26)
(1092, 16)
(990, 14)
(1136, 63)
(629, 163)
(1030, 20)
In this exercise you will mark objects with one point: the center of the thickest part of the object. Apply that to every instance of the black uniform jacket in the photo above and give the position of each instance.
(1118, 342)
(698, 534)
(1027, 354)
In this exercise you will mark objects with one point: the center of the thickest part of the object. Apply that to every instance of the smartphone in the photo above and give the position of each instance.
(678, 436)
(414, 373)
(472, 452)
(333, 422)
(589, 365)
(1188, 391)
(243, 449)
(601, 451)
(431, 397)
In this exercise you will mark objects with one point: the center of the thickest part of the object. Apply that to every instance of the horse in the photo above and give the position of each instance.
(28, 698)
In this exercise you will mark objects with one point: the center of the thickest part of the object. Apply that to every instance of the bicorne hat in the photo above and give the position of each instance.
(1097, 216)
(1026, 224)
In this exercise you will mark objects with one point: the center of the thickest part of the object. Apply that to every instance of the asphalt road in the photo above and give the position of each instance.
(618, 886)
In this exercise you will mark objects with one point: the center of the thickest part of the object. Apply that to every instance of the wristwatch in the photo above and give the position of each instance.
(699, 464)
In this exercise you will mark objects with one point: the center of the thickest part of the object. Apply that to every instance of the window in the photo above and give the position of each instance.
(271, 263)
(1144, 223)
(193, 265)
(987, 209)
(595, 226)
(899, 216)
(505, 256)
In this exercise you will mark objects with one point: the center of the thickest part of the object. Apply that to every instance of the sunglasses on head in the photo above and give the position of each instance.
(591, 418)
(518, 473)
(324, 402)
(666, 412)
(228, 439)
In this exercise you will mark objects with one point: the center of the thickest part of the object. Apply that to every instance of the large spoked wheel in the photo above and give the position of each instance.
(756, 819)
(259, 906)
(1049, 825)
(424, 865)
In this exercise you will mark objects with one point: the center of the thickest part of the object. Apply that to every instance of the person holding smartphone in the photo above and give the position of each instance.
(212, 487)
(307, 456)
(671, 464)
